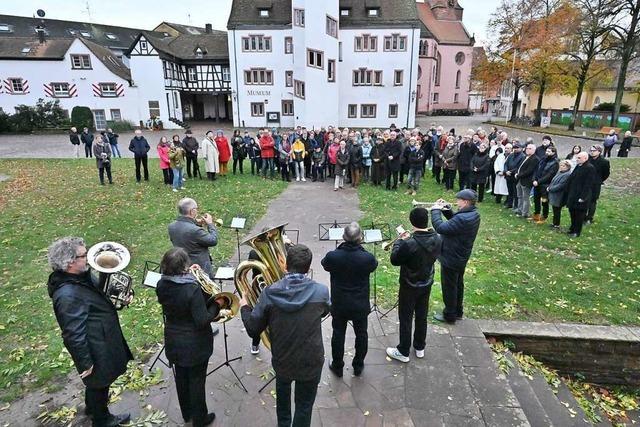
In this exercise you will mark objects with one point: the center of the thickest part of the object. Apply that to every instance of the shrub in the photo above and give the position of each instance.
(5, 122)
(608, 106)
(82, 117)
(48, 114)
(120, 125)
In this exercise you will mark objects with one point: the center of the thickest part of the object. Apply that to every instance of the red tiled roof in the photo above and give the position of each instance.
(445, 32)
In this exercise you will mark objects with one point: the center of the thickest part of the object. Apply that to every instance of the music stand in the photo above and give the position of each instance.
(150, 277)
(238, 223)
(287, 232)
(226, 273)
(375, 236)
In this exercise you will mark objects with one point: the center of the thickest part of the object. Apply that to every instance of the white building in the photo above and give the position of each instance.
(75, 71)
(312, 63)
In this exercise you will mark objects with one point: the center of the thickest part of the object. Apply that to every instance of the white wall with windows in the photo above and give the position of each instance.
(377, 76)
(80, 79)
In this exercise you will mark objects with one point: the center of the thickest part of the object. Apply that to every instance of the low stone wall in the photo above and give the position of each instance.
(602, 354)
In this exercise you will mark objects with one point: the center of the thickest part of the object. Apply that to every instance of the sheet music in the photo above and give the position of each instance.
(151, 279)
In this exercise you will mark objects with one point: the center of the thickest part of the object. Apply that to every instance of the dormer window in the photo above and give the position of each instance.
(26, 49)
(73, 32)
(345, 12)
(85, 34)
(199, 52)
(111, 36)
(264, 13)
(373, 11)
(6, 28)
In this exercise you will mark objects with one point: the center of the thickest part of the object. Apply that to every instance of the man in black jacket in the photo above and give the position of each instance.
(511, 166)
(140, 147)
(458, 235)
(603, 170)
(415, 255)
(579, 192)
(87, 140)
(350, 266)
(190, 145)
(392, 152)
(90, 327)
(524, 178)
(466, 152)
(292, 309)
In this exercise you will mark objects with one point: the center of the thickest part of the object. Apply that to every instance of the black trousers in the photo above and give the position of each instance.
(377, 173)
(142, 160)
(395, 179)
(237, 164)
(464, 179)
(317, 172)
(284, 171)
(591, 210)
(435, 171)
(167, 176)
(413, 302)
(101, 171)
(305, 395)
(404, 170)
(449, 178)
(97, 401)
(339, 325)
(557, 212)
(607, 151)
(88, 151)
(479, 188)
(190, 384)
(538, 204)
(452, 292)
(512, 198)
(577, 219)
(193, 160)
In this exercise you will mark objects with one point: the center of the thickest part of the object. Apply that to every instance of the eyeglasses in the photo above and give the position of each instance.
(84, 255)
(593, 149)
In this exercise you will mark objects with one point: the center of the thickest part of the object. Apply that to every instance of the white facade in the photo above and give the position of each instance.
(41, 78)
(327, 96)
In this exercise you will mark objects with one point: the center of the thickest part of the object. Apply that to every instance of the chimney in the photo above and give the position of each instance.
(208, 29)
(41, 33)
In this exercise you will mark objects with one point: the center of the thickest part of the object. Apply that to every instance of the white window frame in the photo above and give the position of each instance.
(345, 11)
(299, 89)
(257, 109)
(373, 11)
(80, 62)
(298, 17)
(58, 89)
(98, 122)
(288, 78)
(106, 90)
(352, 111)
(258, 76)
(394, 42)
(256, 43)
(398, 81)
(144, 45)
(226, 74)
(368, 111)
(192, 74)
(264, 13)
(288, 45)
(331, 70)
(153, 110)
(436, 97)
(392, 108)
(17, 85)
(377, 78)
(287, 107)
(456, 98)
(332, 26)
(315, 58)
(117, 117)
(366, 42)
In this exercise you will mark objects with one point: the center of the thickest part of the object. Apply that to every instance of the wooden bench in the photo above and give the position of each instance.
(606, 129)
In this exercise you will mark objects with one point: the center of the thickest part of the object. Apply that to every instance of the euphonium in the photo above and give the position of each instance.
(232, 304)
(270, 247)
(108, 259)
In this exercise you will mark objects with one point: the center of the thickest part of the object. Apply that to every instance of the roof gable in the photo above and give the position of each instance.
(444, 31)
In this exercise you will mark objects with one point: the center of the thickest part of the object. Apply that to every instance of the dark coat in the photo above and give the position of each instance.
(342, 161)
(547, 169)
(392, 148)
(139, 146)
(557, 188)
(87, 138)
(239, 152)
(292, 309)
(465, 154)
(350, 266)
(112, 138)
(458, 235)
(526, 170)
(415, 158)
(625, 146)
(513, 162)
(355, 156)
(480, 167)
(190, 145)
(98, 150)
(74, 138)
(580, 186)
(416, 256)
(90, 328)
(185, 233)
(188, 337)
(603, 170)
(450, 158)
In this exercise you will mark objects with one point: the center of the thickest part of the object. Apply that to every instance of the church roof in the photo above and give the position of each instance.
(445, 32)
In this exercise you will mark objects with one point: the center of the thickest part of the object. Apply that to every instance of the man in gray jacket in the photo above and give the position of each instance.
(185, 233)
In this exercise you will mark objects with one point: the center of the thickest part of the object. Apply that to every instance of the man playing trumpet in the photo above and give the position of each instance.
(415, 254)
(458, 235)
(185, 232)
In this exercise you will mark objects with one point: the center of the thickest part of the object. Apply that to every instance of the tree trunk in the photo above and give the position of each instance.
(576, 105)
(514, 104)
(619, 93)
(627, 51)
(538, 119)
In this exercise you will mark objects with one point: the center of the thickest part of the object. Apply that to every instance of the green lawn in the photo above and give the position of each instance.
(47, 199)
(525, 271)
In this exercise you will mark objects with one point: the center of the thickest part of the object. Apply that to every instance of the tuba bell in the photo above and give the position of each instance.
(213, 291)
(107, 260)
(271, 249)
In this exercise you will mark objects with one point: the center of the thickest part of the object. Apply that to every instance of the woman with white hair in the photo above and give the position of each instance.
(609, 141)
(211, 156)
(625, 145)
(500, 182)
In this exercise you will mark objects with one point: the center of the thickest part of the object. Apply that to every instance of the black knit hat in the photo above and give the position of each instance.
(419, 217)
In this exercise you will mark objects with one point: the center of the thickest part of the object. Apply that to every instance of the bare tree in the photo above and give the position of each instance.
(627, 31)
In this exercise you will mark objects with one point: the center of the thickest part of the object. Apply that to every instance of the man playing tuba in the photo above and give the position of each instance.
(90, 327)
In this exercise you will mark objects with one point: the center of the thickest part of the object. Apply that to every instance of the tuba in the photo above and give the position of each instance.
(271, 249)
(108, 259)
(213, 291)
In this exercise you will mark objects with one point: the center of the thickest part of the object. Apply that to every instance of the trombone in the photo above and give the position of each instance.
(429, 205)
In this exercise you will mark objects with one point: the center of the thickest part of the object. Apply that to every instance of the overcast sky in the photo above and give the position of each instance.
(147, 14)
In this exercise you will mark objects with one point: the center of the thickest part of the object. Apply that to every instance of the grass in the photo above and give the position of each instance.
(48, 199)
(519, 270)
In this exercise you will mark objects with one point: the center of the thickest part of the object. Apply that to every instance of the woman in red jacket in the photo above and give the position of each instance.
(163, 153)
(225, 150)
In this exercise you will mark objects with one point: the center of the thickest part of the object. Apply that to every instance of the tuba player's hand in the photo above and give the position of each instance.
(243, 302)
(207, 219)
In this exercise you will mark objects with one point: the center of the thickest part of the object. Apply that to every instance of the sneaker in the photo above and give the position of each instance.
(393, 353)
(182, 188)
(440, 318)
(357, 370)
(255, 349)
(419, 354)
(337, 371)
(297, 179)
(304, 180)
(175, 190)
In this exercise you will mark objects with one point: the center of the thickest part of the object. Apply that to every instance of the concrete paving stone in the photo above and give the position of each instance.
(635, 331)
(347, 417)
(422, 418)
(465, 328)
(474, 351)
(440, 385)
(504, 417)
(490, 387)
(397, 418)
(516, 328)
(596, 332)
(461, 421)
(368, 398)
(326, 402)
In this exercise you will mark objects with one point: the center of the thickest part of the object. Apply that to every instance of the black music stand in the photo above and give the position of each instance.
(287, 232)
(237, 224)
(150, 277)
(223, 274)
(331, 231)
(376, 234)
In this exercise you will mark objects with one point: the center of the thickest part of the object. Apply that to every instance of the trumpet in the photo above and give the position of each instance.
(386, 246)
(201, 222)
(429, 205)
